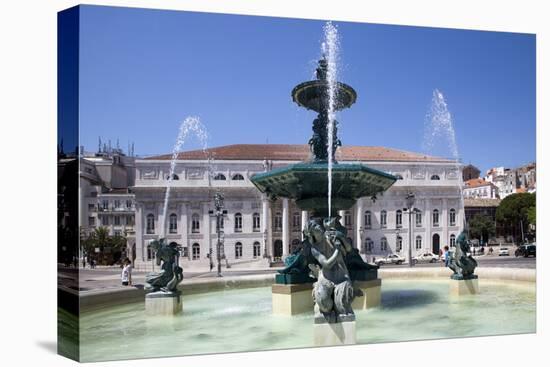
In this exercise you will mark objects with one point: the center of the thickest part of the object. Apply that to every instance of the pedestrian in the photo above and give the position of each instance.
(490, 250)
(126, 276)
(83, 262)
(474, 251)
(447, 256)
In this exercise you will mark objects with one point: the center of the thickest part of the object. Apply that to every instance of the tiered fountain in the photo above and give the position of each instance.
(343, 281)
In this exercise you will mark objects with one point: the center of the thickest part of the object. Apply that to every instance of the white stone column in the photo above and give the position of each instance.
(206, 231)
(266, 228)
(286, 233)
(305, 219)
(428, 223)
(140, 246)
(444, 221)
(359, 222)
(184, 230)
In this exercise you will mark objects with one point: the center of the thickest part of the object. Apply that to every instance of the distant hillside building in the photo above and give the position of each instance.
(510, 181)
(479, 188)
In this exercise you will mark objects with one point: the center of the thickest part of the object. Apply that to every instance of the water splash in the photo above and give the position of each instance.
(193, 125)
(440, 137)
(330, 48)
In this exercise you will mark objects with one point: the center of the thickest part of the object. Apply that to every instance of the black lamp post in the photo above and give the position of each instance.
(409, 200)
(219, 214)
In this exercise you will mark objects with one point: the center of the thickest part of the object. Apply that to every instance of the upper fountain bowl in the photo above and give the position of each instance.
(313, 95)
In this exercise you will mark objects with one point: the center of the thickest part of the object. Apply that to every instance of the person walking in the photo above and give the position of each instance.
(447, 256)
(126, 276)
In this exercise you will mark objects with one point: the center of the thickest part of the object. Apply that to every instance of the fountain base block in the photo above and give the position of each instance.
(463, 287)
(372, 294)
(291, 299)
(339, 333)
(163, 303)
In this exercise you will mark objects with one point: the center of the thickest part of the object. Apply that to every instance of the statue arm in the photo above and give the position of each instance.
(328, 263)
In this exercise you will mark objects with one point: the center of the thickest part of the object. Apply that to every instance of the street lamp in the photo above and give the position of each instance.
(219, 214)
(409, 200)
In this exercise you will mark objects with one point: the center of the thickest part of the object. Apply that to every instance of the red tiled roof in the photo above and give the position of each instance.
(300, 152)
(476, 182)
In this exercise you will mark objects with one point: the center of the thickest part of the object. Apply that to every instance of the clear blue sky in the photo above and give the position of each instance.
(144, 71)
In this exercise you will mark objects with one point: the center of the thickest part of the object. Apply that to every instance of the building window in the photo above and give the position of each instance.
(238, 222)
(452, 240)
(452, 217)
(256, 222)
(418, 242)
(117, 204)
(238, 177)
(174, 177)
(434, 177)
(278, 221)
(347, 219)
(384, 244)
(150, 253)
(196, 251)
(368, 219)
(238, 250)
(91, 207)
(296, 220)
(128, 204)
(105, 204)
(398, 219)
(195, 223)
(418, 219)
(435, 218)
(257, 250)
(368, 245)
(117, 233)
(173, 223)
(399, 244)
(220, 177)
(91, 221)
(117, 220)
(150, 224)
(383, 219)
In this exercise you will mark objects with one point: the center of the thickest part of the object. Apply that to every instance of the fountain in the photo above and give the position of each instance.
(321, 186)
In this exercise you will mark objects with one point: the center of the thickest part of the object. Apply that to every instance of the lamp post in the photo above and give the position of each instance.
(409, 200)
(219, 214)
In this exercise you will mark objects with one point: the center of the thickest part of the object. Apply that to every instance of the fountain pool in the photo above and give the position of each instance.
(238, 320)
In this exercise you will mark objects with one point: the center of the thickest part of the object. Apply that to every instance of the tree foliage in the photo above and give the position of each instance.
(532, 215)
(481, 227)
(514, 208)
(100, 238)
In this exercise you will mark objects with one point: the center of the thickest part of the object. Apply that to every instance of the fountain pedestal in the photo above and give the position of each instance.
(463, 287)
(291, 299)
(371, 297)
(163, 303)
(339, 333)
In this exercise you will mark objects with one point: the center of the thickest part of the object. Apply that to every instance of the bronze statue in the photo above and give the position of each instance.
(462, 263)
(171, 274)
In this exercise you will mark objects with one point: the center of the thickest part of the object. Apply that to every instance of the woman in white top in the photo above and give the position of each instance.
(126, 276)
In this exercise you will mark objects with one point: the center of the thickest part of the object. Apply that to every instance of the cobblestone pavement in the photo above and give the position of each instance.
(109, 277)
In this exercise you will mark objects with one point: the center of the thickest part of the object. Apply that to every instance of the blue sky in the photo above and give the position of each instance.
(143, 71)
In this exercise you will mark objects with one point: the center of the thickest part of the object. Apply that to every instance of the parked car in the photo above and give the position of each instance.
(526, 250)
(503, 251)
(427, 257)
(390, 259)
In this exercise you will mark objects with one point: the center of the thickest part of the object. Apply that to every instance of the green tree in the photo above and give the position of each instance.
(481, 227)
(512, 212)
(101, 239)
(532, 215)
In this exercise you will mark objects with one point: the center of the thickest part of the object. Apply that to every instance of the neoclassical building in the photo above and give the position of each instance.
(258, 232)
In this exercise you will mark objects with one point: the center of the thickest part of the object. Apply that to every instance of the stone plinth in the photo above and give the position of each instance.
(291, 299)
(371, 297)
(461, 287)
(340, 333)
(163, 303)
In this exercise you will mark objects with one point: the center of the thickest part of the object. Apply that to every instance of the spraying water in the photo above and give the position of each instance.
(189, 125)
(440, 138)
(330, 48)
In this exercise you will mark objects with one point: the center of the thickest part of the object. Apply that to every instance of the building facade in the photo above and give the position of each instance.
(479, 188)
(258, 232)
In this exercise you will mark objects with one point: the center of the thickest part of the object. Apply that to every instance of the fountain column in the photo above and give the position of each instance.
(359, 218)
(286, 234)
(266, 228)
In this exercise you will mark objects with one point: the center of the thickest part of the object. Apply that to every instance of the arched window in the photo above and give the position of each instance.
(174, 177)
(435, 218)
(434, 177)
(452, 240)
(398, 176)
(150, 224)
(347, 219)
(452, 217)
(238, 222)
(238, 177)
(368, 219)
(383, 219)
(296, 219)
(220, 177)
(399, 244)
(196, 251)
(238, 250)
(383, 244)
(368, 245)
(173, 223)
(195, 223)
(398, 219)
(257, 249)
(278, 221)
(418, 219)
(418, 242)
(256, 222)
